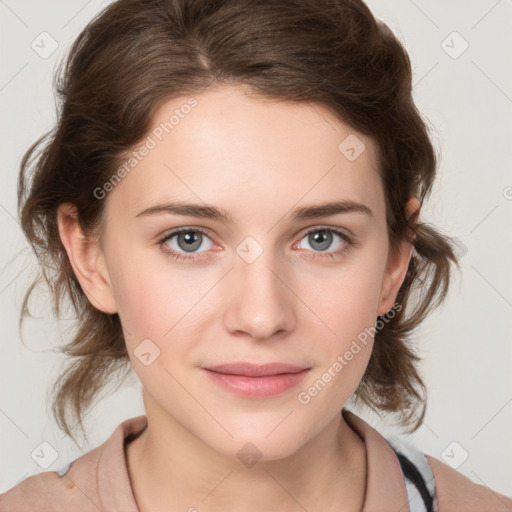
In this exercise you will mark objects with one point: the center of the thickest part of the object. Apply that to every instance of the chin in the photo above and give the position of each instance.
(251, 445)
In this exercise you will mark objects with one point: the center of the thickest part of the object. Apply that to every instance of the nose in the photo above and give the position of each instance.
(261, 303)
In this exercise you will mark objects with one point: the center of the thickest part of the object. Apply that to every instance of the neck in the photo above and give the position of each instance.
(171, 469)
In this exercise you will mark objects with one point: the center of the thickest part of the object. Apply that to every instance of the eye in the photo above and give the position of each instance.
(321, 238)
(187, 240)
(182, 244)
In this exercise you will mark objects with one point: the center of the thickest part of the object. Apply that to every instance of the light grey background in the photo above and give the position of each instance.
(466, 345)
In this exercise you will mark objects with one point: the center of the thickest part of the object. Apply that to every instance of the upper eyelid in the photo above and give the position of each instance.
(186, 229)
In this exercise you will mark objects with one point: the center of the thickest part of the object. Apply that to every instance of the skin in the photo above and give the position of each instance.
(257, 159)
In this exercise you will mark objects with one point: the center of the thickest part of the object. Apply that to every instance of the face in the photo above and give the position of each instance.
(263, 285)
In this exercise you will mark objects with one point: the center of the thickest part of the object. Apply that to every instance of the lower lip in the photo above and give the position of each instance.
(257, 387)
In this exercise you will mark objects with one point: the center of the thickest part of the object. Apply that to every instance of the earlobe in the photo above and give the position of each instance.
(87, 260)
(398, 264)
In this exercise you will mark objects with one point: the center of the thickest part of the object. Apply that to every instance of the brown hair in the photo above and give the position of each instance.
(137, 54)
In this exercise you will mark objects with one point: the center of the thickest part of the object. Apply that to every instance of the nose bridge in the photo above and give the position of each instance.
(261, 305)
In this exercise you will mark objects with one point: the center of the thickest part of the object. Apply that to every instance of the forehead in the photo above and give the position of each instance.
(247, 153)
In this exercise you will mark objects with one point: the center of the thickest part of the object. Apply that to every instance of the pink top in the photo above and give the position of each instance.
(98, 480)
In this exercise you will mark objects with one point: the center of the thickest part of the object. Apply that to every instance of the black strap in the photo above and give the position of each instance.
(413, 475)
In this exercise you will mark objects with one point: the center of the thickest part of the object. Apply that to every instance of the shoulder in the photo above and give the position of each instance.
(449, 489)
(97, 480)
(456, 491)
(56, 491)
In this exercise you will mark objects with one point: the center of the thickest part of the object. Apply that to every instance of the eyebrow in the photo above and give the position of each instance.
(206, 211)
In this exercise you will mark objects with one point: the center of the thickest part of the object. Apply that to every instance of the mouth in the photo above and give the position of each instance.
(256, 381)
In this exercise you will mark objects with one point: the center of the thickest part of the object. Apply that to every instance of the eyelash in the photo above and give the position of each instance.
(349, 243)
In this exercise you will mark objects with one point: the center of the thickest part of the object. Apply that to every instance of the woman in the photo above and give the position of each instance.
(231, 199)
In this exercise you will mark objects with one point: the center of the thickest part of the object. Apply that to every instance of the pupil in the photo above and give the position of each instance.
(191, 241)
(318, 236)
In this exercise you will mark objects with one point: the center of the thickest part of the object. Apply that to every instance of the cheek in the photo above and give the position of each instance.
(349, 312)
(156, 308)
(347, 299)
(347, 304)
(155, 298)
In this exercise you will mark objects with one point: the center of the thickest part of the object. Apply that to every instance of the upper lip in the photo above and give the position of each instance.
(256, 370)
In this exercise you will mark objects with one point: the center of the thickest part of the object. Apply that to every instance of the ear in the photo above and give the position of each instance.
(87, 259)
(396, 267)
